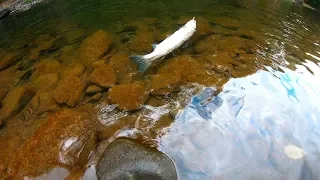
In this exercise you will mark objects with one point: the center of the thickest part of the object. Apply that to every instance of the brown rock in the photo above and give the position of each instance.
(3, 93)
(68, 54)
(10, 77)
(103, 76)
(67, 139)
(46, 45)
(244, 70)
(34, 54)
(232, 44)
(109, 131)
(223, 31)
(142, 42)
(69, 91)
(73, 70)
(95, 98)
(74, 35)
(94, 47)
(228, 22)
(16, 100)
(94, 89)
(165, 83)
(128, 96)
(47, 82)
(43, 39)
(208, 44)
(247, 34)
(123, 66)
(44, 102)
(44, 67)
(222, 62)
(160, 36)
(183, 66)
(8, 60)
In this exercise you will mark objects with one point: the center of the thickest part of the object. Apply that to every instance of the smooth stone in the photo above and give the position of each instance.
(94, 89)
(4, 13)
(126, 159)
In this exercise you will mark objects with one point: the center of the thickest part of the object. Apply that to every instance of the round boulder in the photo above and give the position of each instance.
(126, 159)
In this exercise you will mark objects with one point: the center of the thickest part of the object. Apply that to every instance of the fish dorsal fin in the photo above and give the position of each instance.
(154, 46)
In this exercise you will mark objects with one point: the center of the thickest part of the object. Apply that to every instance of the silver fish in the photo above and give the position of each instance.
(166, 46)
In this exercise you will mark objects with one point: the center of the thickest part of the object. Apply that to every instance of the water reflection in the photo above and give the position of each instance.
(263, 126)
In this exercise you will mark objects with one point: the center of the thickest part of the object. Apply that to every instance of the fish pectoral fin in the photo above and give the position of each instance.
(154, 46)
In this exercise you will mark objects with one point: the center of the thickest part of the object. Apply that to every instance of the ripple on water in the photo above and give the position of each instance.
(265, 127)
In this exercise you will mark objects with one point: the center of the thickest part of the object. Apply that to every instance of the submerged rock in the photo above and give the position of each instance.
(47, 82)
(125, 159)
(162, 84)
(142, 42)
(3, 93)
(183, 66)
(123, 66)
(94, 47)
(94, 89)
(247, 34)
(44, 102)
(4, 13)
(69, 91)
(15, 101)
(67, 138)
(227, 22)
(103, 76)
(8, 60)
(128, 96)
(73, 36)
(44, 67)
(95, 98)
(75, 69)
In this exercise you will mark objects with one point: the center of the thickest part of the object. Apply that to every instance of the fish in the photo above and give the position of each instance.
(168, 45)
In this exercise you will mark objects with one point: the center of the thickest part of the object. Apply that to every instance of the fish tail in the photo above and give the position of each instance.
(142, 62)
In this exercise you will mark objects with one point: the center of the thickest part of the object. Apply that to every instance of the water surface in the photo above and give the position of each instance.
(240, 100)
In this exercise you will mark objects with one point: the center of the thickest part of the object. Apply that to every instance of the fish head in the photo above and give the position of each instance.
(192, 24)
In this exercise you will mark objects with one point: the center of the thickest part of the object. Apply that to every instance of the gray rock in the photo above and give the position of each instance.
(125, 159)
(4, 13)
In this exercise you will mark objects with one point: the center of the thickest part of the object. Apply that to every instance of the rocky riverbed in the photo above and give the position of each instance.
(68, 93)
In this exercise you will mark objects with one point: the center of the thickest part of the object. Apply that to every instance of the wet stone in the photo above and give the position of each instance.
(95, 98)
(3, 93)
(228, 22)
(94, 47)
(47, 82)
(142, 42)
(94, 89)
(68, 54)
(43, 39)
(42, 102)
(69, 91)
(75, 69)
(103, 76)
(8, 60)
(128, 96)
(183, 66)
(162, 84)
(15, 101)
(73, 36)
(44, 67)
(247, 34)
(67, 138)
(125, 159)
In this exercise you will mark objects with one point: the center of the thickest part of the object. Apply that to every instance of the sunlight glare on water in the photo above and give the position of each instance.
(267, 127)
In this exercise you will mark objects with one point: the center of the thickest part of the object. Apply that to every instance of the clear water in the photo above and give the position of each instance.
(256, 120)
